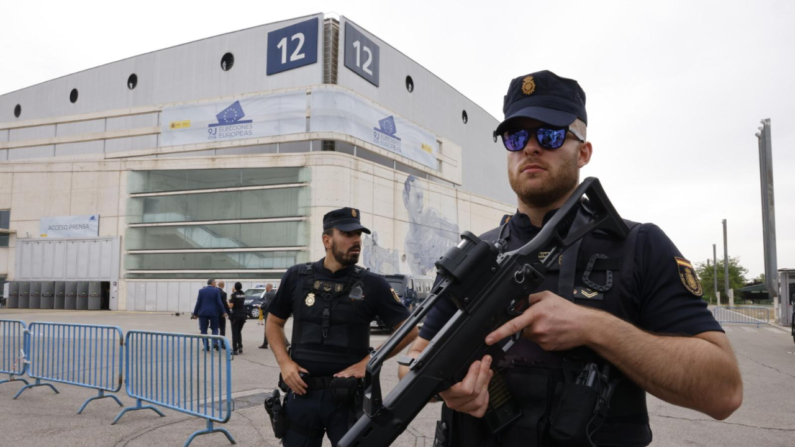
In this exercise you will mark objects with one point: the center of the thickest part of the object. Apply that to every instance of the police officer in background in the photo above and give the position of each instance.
(629, 307)
(333, 302)
(263, 311)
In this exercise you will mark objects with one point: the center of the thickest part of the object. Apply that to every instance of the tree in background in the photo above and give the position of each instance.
(737, 280)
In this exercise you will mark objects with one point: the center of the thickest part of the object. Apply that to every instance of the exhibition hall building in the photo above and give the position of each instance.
(134, 182)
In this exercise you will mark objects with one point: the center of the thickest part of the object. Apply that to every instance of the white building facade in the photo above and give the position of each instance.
(219, 158)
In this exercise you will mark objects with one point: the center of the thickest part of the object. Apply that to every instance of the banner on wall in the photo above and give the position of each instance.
(347, 113)
(251, 117)
(69, 226)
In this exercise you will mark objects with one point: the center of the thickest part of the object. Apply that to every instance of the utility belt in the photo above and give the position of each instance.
(347, 391)
(339, 386)
(566, 410)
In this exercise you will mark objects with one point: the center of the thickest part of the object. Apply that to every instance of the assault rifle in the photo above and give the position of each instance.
(489, 289)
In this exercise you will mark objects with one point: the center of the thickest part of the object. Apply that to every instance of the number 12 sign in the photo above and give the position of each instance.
(362, 55)
(292, 46)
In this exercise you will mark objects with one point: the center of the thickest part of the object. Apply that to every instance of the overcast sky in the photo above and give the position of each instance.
(675, 91)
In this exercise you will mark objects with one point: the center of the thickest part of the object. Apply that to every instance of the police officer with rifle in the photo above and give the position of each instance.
(550, 329)
(333, 302)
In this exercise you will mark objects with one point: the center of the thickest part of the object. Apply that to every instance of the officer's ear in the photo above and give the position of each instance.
(585, 149)
(327, 238)
(584, 154)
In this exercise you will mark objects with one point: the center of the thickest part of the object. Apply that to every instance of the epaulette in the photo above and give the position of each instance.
(305, 269)
(359, 271)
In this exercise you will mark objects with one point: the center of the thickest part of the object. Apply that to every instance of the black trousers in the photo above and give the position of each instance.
(222, 326)
(314, 410)
(237, 337)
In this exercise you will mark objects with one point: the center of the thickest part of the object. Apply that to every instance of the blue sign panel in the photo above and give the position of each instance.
(292, 46)
(231, 115)
(361, 54)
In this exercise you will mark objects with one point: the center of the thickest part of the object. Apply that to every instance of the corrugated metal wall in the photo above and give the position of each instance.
(92, 259)
(95, 259)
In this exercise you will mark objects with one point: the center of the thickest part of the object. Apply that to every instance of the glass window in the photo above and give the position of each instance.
(186, 180)
(243, 150)
(205, 153)
(270, 234)
(260, 277)
(375, 158)
(341, 146)
(215, 261)
(288, 202)
(5, 223)
(298, 146)
(409, 170)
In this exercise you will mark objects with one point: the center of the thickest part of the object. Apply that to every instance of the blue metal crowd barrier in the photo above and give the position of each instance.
(180, 372)
(13, 339)
(84, 355)
(742, 315)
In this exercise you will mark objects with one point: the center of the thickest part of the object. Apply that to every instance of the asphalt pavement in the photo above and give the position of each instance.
(42, 418)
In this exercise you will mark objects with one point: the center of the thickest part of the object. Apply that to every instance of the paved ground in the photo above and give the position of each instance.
(41, 418)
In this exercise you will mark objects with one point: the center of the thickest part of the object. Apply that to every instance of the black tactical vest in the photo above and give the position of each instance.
(329, 325)
(603, 279)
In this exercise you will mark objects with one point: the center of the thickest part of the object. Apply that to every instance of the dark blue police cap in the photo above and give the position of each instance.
(344, 219)
(546, 97)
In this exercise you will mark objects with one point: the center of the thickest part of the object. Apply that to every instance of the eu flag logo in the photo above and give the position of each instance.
(388, 127)
(231, 115)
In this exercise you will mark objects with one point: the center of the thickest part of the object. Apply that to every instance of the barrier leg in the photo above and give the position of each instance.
(100, 396)
(38, 383)
(209, 430)
(138, 406)
(12, 379)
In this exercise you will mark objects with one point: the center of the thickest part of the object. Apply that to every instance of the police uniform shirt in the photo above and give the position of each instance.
(660, 303)
(378, 297)
(238, 299)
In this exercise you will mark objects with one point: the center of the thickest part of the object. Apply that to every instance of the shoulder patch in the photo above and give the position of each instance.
(395, 295)
(688, 276)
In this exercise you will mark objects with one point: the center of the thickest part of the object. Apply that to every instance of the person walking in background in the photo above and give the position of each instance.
(222, 321)
(266, 301)
(209, 309)
(238, 304)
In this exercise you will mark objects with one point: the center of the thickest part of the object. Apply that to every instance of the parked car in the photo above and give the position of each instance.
(411, 290)
(254, 298)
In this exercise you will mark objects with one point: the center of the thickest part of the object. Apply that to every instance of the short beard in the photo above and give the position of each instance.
(346, 259)
(560, 184)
